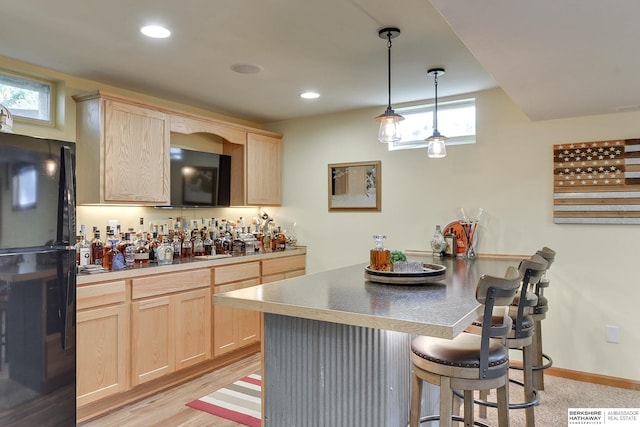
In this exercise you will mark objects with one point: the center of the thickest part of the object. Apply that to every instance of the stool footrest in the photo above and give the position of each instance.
(430, 418)
(533, 402)
(538, 367)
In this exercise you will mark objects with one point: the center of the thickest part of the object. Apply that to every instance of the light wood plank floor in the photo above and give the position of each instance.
(168, 409)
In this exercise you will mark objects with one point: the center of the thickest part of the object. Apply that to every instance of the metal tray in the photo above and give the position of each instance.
(431, 273)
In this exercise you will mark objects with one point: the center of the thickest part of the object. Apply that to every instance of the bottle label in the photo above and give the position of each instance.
(141, 256)
(85, 257)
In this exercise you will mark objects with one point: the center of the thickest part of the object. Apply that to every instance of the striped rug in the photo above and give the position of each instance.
(239, 402)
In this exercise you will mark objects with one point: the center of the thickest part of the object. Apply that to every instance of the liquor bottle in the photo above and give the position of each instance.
(208, 243)
(164, 252)
(438, 244)
(450, 240)
(141, 253)
(154, 242)
(108, 250)
(379, 257)
(83, 248)
(198, 245)
(177, 245)
(97, 253)
(186, 251)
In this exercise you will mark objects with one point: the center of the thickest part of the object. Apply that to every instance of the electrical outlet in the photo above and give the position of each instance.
(612, 334)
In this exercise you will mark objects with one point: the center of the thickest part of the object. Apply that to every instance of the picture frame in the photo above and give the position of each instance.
(355, 186)
(199, 186)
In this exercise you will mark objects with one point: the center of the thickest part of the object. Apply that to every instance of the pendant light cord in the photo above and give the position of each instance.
(389, 67)
(435, 110)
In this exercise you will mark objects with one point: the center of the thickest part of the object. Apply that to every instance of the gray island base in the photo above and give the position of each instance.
(336, 347)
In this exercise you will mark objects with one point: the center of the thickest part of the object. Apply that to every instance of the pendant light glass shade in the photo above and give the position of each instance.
(437, 148)
(389, 126)
(389, 120)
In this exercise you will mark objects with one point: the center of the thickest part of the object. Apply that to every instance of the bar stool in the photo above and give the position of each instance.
(540, 313)
(520, 337)
(468, 362)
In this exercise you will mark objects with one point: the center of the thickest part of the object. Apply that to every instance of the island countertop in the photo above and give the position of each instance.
(441, 309)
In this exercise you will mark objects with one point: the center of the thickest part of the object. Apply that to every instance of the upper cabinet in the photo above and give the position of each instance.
(122, 151)
(264, 170)
(256, 158)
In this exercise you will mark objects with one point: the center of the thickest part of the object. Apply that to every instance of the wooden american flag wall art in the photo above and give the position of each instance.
(597, 182)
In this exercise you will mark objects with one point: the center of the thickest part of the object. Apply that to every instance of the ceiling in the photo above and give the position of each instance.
(554, 59)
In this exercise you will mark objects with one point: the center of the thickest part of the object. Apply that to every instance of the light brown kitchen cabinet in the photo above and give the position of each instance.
(152, 339)
(283, 268)
(235, 328)
(193, 327)
(122, 151)
(102, 330)
(263, 170)
(170, 323)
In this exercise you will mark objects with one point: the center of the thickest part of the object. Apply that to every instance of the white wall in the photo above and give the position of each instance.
(509, 174)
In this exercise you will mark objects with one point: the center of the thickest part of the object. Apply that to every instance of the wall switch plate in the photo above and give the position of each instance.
(612, 334)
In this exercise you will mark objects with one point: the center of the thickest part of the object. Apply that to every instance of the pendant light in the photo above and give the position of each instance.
(437, 148)
(389, 120)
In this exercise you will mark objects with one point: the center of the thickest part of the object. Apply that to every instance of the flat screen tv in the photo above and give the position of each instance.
(200, 179)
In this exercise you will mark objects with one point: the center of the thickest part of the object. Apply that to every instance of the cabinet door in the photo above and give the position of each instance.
(233, 327)
(136, 154)
(102, 352)
(193, 327)
(263, 170)
(152, 338)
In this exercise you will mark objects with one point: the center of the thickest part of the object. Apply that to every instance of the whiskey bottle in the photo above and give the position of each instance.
(141, 253)
(83, 248)
(97, 253)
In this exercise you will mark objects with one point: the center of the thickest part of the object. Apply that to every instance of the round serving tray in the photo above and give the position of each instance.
(431, 273)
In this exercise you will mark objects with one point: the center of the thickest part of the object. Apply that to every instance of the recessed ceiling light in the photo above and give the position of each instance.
(309, 95)
(155, 31)
(246, 68)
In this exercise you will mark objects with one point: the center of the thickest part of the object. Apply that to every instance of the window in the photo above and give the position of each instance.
(456, 121)
(27, 98)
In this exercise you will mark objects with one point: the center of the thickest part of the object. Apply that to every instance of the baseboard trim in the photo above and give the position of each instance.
(588, 377)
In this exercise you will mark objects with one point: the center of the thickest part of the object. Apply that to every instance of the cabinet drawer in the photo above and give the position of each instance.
(236, 285)
(168, 283)
(101, 294)
(236, 272)
(279, 265)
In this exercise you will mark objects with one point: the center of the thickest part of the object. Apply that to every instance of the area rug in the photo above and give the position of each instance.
(239, 402)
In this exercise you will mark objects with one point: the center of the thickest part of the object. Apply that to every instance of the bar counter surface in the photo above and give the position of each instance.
(337, 347)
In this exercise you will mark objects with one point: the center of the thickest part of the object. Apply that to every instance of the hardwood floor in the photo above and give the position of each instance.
(168, 408)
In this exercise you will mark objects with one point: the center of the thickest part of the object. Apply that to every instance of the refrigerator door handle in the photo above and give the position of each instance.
(66, 200)
(67, 261)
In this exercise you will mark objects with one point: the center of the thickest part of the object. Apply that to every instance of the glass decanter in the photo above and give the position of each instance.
(379, 257)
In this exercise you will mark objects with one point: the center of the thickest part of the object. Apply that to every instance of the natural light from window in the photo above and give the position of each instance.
(26, 98)
(456, 120)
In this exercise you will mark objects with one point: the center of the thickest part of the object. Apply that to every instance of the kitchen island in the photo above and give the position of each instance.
(337, 347)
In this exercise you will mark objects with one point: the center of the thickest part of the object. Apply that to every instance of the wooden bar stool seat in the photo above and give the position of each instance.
(468, 362)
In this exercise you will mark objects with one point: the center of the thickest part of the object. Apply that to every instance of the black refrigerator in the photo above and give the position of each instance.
(37, 282)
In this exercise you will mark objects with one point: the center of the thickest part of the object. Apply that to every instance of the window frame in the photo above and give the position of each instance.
(442, 106)
(30, 79)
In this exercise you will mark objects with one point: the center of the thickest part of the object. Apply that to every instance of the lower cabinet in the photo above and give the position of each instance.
(152, 339)
(135, 330)
(169, 332)
(102, 337)
(235, 328)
